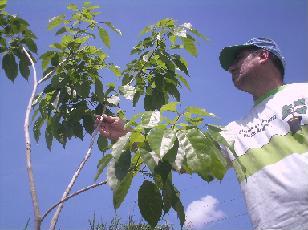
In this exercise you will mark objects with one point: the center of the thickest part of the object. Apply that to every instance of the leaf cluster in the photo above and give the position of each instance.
(158, 70)
(157, 146)
(74, 91)
(162, 140)
(14, 35)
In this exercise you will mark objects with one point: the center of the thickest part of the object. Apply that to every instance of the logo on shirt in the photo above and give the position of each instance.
(291, 113)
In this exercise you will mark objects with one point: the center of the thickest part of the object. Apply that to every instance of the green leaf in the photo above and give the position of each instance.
(104, 36)
(118, 149)
(88, 123)
(189, 46)
(102, 143)
(180, 63)
(219, 163)
(10, 66)
(66, 39)
(61, 30)
(82, 40)
(178, 206)
(149, 158)
(113, 99)
(150, 119)
(24, 67)
(198, 111)
(115, 69)
(102, 164)
(128, 91)
(203, 157)
(183, 80)
(150, 202)
(166, 22)
(120, 192)
(86, 4)
(46, 58)
(99, 91)
(3, 4)
(83, 90)
(37, 128)
(179, 161)
(55, 60)
(192, 143)
(72, 7)
(161, 140)
(136, 98)
(171, 106)
(55, 21)
(137, 137)
(194, 120)
(168, 194)
(214, 132)
(196, 32)
(48, 137)
(31, 45)
(172, 38)
(163, 169)
(78, 130)
(122, 165)
(146, 29)
(154, 101)
(112, 27)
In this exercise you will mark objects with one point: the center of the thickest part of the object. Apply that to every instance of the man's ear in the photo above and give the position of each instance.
(264, 56)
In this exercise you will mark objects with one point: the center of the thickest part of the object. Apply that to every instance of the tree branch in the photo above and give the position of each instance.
(35, 202)
(73, 195)
(48, 74)
(75, 176)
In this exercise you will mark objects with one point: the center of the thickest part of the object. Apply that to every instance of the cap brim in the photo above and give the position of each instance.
(228, 54)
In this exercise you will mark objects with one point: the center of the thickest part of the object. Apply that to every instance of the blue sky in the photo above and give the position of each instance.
(224, 22)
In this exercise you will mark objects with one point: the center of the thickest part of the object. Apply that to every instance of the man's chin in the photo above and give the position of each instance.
(236, 82)
(238, 85)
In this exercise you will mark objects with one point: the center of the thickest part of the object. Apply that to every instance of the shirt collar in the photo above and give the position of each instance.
(268, 94)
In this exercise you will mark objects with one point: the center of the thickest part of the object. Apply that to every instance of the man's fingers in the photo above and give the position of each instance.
(105, 133)
(110, 119)
(107, 119)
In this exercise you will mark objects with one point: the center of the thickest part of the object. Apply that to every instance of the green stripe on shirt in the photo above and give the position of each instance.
(278, 148)
(268, 94)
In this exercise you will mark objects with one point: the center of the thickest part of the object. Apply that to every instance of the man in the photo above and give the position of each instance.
(270, 143)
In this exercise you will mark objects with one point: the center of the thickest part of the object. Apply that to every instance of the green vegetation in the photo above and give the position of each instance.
(164, 138)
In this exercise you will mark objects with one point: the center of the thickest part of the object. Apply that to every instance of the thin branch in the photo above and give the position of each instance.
(48, 74)
(35, 202)
(55, 217)
(73, 195)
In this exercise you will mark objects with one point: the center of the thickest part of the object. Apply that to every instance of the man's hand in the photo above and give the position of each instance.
(111, 127)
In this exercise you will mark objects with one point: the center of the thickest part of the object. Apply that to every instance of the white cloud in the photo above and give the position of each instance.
(201, 212)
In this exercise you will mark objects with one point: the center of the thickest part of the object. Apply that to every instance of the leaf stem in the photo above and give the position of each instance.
(73, 195)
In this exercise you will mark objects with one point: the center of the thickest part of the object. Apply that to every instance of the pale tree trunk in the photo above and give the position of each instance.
(35, 202)
(33, 191)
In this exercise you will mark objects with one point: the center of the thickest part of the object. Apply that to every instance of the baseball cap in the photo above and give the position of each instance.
(228, 54)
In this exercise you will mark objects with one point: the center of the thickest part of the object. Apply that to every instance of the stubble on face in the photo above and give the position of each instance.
(242, 69)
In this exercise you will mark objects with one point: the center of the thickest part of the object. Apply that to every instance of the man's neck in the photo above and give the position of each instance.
(263, 90)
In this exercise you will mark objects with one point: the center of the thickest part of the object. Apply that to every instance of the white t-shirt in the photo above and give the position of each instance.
(271, 158)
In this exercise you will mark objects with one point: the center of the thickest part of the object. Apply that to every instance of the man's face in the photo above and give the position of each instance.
(243, 69)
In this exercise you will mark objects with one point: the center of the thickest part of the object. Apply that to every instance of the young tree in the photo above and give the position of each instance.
(163, 139)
